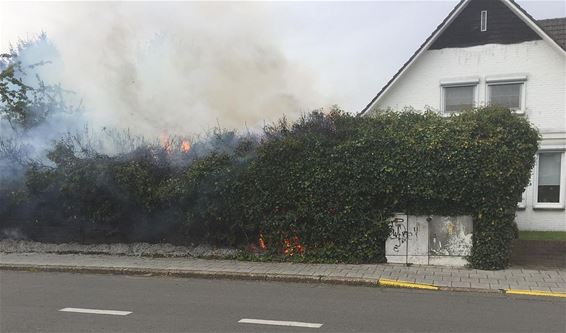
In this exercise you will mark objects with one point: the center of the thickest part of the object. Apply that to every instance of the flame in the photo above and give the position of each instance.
(292, 247)
(171, 145)
(185, 146)
(165, 142)
(261, 243)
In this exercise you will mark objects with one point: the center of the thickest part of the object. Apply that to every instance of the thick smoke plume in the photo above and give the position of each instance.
(177, 68)
(152, 84)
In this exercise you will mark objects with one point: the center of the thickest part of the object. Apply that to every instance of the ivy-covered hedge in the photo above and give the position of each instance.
(321, 188)
(333, 179)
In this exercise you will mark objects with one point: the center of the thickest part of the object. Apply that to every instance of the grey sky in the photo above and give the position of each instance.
(348, 49)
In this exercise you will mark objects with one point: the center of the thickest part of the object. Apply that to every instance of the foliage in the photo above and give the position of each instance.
(306, 189)
(319, 189)
(333, 179)
(26, 100)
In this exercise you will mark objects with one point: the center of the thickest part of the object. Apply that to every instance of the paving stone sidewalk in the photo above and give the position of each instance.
(448, 278)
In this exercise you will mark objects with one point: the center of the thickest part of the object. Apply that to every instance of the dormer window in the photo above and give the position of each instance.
(483, 20)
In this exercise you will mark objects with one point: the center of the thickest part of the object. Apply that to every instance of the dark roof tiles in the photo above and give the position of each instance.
(556, 29)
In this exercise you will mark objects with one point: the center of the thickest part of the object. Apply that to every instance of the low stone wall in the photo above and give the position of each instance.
(117, 249)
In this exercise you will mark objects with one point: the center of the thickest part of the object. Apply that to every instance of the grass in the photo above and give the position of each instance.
(542, 235)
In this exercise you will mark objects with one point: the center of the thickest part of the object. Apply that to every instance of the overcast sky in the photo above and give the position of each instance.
(348, 49)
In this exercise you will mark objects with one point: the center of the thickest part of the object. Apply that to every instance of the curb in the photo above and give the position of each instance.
(191, 274)
(475, 290)
(405, 284)
(234, 276)
(350, 281)
(535, 293)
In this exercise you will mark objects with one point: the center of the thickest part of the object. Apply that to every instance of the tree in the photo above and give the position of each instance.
(26, 100)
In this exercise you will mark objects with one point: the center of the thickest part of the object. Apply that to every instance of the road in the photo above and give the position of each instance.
(31, 302)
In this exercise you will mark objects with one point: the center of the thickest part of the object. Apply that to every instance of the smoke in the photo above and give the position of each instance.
(133, 73)
(178, 68)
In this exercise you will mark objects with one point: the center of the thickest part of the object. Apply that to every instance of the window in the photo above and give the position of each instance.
(507, 91)
(483, 20)
(458, 98)
(549, 189)
(506, 95)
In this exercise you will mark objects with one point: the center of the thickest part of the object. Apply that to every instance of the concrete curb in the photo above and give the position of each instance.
(405, 284)
(535, 293)
(351, 281)
(475, 290)
(191, 274)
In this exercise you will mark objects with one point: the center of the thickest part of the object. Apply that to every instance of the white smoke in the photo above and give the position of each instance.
(178, 68)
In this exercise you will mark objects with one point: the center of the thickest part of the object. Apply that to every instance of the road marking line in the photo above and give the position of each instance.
(535, 293)
(95, 311)
(279, 323)
(405, 284)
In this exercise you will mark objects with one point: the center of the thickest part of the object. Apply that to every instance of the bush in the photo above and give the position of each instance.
(332, 180)
(305, 189)
(320, 189)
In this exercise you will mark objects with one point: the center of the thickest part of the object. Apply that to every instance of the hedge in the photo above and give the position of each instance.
(318, 189)
(333, 179)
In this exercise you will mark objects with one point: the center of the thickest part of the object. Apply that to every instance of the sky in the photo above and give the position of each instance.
(301, 55)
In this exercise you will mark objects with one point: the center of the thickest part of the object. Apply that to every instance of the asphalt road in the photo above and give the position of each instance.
(31, 302)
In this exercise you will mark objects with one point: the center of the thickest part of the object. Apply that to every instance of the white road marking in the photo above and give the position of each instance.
(95, 311)
(279, 323)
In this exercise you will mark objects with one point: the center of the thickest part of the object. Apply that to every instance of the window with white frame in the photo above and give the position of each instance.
(458, 95)
(507, 92)
(458, 98)
(550, 180)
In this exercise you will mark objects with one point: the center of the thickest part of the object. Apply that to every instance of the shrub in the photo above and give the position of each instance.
(331, 180)
(321, 188)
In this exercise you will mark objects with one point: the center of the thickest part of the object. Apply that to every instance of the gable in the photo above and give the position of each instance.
(514, 26)
(503, 27)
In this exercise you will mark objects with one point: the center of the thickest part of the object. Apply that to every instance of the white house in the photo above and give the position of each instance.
(493, 52)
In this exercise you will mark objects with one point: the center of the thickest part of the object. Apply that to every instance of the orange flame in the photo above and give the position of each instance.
(261, 243)
(185, 146)
(166, 142)
(293, 246)
(170, 144)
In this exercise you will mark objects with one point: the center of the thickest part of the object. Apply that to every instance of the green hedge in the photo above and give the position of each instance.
(333, 179)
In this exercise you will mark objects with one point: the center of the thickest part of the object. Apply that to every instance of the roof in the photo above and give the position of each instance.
(556, 29)
(551, 29)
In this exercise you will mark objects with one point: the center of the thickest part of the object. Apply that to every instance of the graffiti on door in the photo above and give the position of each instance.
(400, 233)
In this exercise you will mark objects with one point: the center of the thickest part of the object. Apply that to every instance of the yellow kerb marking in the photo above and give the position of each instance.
(534, 293)
(405, 284)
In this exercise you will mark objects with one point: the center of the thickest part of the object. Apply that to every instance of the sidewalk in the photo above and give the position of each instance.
(445, 278)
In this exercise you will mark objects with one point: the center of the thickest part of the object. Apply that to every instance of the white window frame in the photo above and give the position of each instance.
(515, 79)
(461, 82)
(550, 205)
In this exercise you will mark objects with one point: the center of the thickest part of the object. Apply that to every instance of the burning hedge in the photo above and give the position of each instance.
(318, 189)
